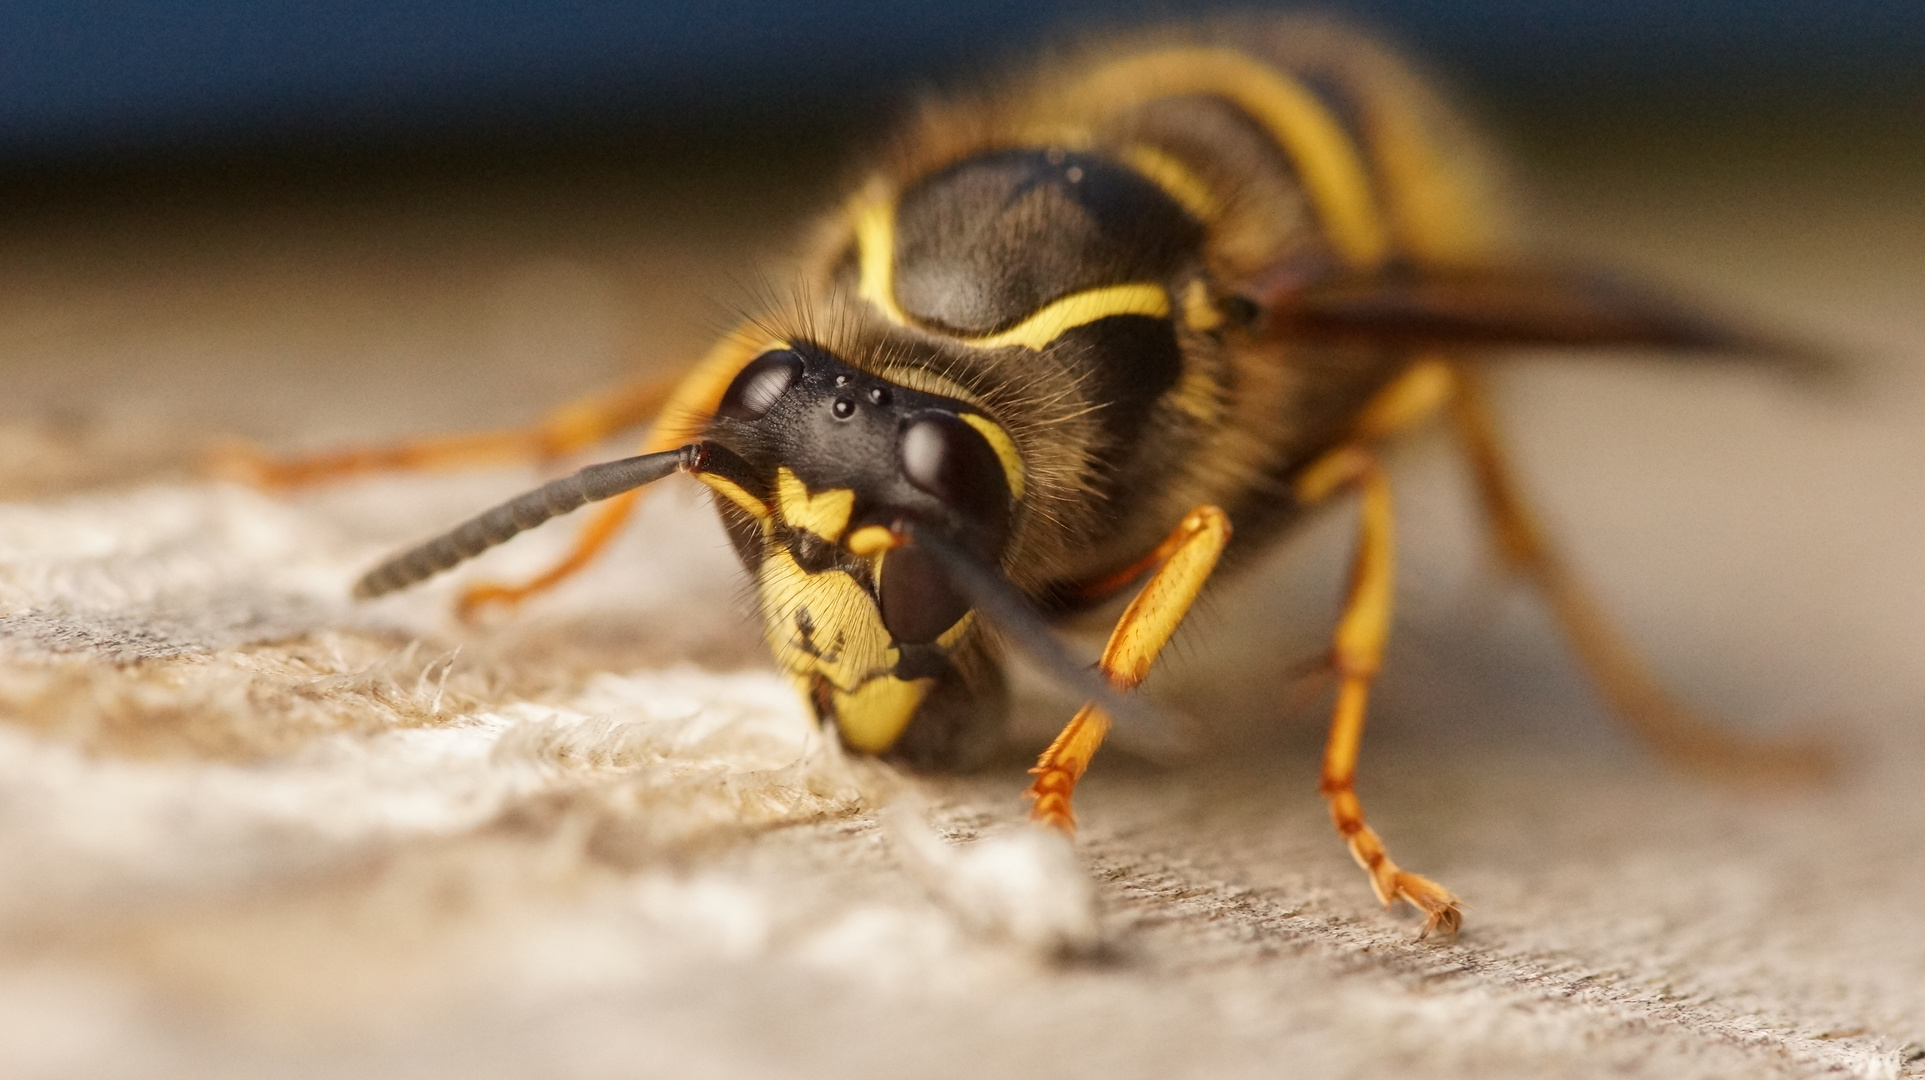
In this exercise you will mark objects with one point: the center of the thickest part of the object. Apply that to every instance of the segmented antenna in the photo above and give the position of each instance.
(553, 499)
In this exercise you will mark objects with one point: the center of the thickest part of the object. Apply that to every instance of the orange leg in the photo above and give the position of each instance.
(574, 427)
(1627, 685)
(1357, 652)
(1146, 626)
(682, 412)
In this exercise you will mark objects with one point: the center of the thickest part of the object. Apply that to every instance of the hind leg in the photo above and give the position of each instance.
(1672, 729)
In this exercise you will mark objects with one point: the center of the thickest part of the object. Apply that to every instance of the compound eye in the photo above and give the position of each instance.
(760, 385)
(946, 458)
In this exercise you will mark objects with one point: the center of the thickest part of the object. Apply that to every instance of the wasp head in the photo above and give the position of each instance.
(823, 470)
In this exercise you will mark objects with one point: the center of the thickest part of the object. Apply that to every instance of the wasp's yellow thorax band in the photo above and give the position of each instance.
(875, 229)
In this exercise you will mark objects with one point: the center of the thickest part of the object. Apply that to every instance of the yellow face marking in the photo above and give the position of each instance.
(873, 717)
(733, 492)
(825, 513)
(870, 541)
(1334, 177)
(1176, 180)
(822, 624)
(1079, 309)
(823, 628)
(999, 441)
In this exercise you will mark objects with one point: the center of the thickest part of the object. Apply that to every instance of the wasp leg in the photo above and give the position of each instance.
(573, 427)
(1357, 653)
(682, 411)
(1191, 552)
(1620, 675)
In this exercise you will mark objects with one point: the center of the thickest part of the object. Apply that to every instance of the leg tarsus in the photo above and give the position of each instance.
(1061, 766)
(1392, 883)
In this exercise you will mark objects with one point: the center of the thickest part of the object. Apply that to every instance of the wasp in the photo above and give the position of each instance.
(1107, 331)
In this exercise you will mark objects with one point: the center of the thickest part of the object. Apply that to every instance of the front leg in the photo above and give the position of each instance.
(1188, 556)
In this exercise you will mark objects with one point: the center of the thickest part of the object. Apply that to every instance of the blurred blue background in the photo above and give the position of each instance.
(86, 79)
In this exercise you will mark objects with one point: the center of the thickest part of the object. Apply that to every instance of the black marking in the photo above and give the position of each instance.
(805, 637)
(839, 427)
(1130, 362)
(987, 242)
(812, 553)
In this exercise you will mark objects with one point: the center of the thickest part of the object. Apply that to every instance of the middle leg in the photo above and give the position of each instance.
(1357, 652)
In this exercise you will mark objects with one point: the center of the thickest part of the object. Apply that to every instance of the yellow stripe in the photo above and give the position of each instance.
(875, 230)
(999, 441)
(729, 490)
(824, 513)
(1079, 309)
(1326, 159)
(1176, 180)
(871, 541)
(875, 220)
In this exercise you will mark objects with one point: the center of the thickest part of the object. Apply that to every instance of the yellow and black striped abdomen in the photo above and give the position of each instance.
(1289, 134)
